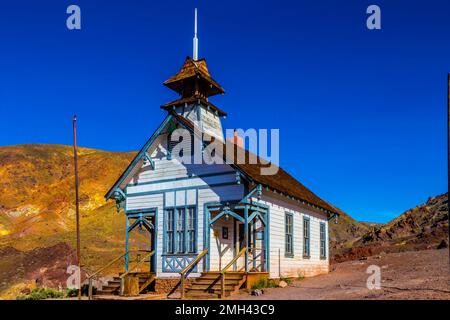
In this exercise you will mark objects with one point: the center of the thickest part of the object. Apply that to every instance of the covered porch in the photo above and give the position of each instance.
(237, 237)
(236, 249)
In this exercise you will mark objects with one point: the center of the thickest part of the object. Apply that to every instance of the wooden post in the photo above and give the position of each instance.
(182, 286)
(77, 214)
(153, 248)
(246, 237)
(127, 236)
(131, 285)
(266, 241)
(254, 243)
(222, 285)
(90, 289)
(122, 285)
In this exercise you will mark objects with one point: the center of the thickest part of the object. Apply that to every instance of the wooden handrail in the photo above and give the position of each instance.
(194, 262)
(222, 272)
(234, 260)
(91, 277)
(151, 253)
(122, 276)
(189, 267)
(107, 265)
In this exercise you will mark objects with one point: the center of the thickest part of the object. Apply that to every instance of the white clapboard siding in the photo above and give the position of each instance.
(170, 169)
(185, 183)
(221, 250)
(144, 202)
(203, 117)
(294, 266)
(189, 111)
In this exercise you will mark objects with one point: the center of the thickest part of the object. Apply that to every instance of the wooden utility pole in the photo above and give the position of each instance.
(75, 160)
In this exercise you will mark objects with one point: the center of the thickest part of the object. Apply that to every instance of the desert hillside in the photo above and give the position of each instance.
(37, 193)
(422, 227)
(37, 205)
(426, 223)
(345, 232)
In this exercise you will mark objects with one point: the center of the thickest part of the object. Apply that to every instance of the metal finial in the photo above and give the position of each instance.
(195, 50)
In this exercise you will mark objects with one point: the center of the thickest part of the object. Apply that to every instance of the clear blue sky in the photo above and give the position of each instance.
(362, 114)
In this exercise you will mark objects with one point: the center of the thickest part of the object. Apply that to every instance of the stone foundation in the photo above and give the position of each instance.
(167, 285)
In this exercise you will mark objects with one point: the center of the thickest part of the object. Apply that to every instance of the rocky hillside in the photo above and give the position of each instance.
(345, 232)
(37, 194)
(422, 227)
(426, 223)
(37, 203)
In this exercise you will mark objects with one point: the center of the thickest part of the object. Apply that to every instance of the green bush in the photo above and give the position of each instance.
(287, 280)
(71, 292)
(41, 294)
(264, 283)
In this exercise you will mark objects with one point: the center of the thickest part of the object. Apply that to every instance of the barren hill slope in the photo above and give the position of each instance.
(37, 197)
(345, 232)
(425, 223)
(422, 227)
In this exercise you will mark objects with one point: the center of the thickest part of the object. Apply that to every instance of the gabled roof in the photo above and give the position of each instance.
(189, 71)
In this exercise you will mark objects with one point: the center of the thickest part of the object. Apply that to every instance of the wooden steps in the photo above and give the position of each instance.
(113, 286)
(208, 285)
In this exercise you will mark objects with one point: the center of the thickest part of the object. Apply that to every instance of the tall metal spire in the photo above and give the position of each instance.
(195, 49)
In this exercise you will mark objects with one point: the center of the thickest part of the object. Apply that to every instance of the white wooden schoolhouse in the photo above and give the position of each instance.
(214, 228)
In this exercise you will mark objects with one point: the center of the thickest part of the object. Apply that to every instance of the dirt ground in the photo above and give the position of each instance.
(406, 275)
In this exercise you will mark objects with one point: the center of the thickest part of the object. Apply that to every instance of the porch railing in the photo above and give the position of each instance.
(188, 269)
(109, 264)
(255, 261)
(139, 262)
(224, 270)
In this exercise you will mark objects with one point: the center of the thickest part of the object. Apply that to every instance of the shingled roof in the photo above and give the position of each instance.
(282, 181)
(189, 71)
